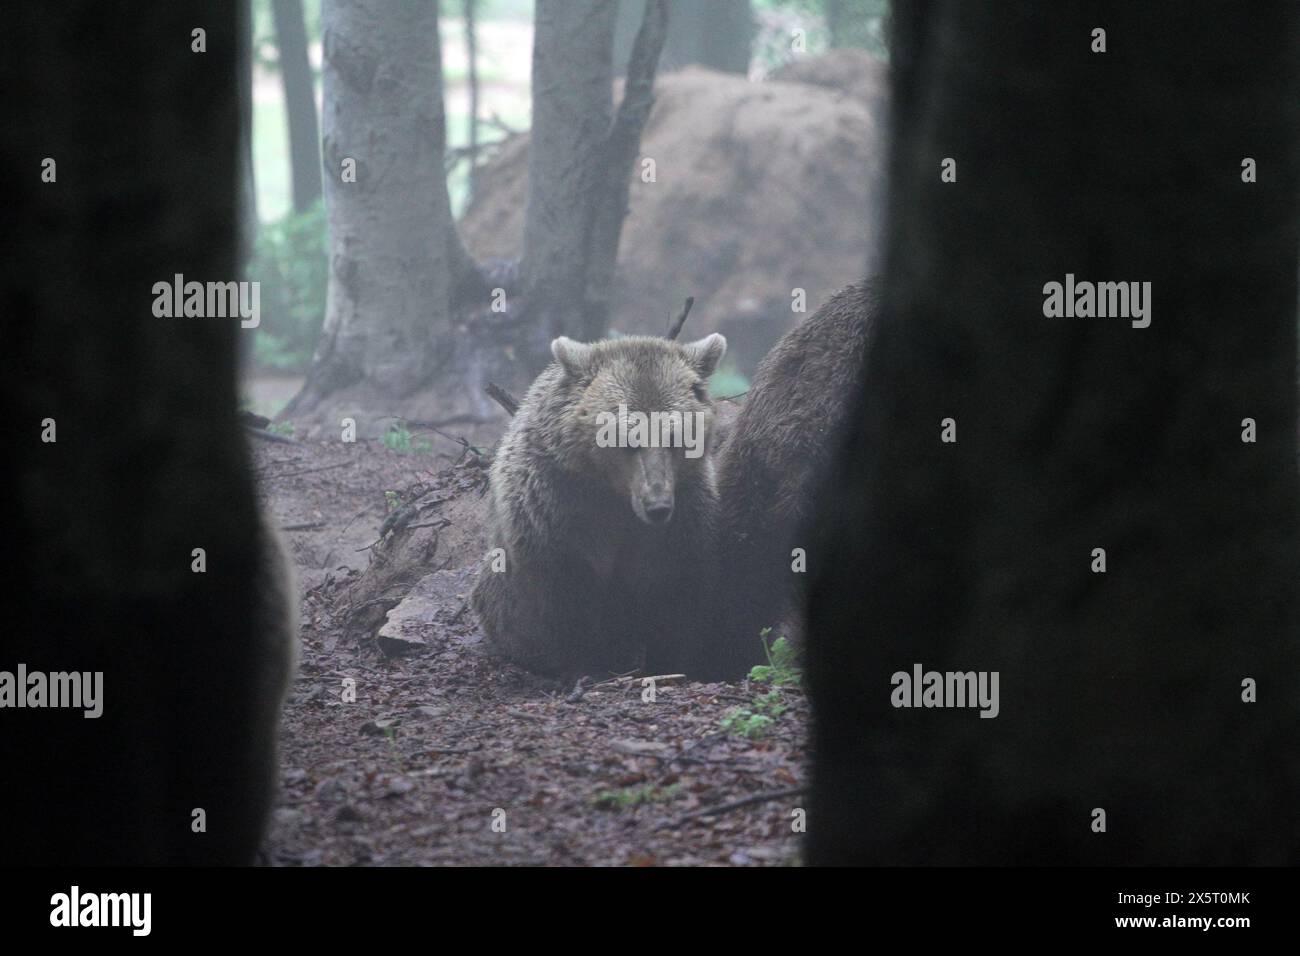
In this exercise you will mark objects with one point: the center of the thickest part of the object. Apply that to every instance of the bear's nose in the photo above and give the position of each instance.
(658, 512)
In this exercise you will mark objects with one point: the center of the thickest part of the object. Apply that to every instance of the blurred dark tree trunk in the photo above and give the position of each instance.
(1119, 690)
(718, 34)
(579, 164)
(299, 101)
(149, 460)
(387, 322)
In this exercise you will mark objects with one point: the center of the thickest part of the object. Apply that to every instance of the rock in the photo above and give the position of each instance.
(436, 598)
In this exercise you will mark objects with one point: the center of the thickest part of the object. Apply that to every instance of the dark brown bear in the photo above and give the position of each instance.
(786, 433)
(598, 548)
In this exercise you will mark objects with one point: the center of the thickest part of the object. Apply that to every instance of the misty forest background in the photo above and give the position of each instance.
(1171, 448)
(733, 229)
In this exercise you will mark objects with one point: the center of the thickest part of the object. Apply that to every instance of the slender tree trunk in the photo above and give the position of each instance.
(616, 170)
(387, 322)
(471, 123)
(147, 461)
(1120, 691)
(579, 164)
(835, 13)
(299, 101)
(717, 34)
(572, 112)
(726, 34)
(248, 220)
(468, 287)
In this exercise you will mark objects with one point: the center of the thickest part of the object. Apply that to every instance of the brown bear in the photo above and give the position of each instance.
(776, 450)
(602, 502)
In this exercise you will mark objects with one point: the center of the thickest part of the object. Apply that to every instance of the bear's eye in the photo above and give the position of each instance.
(700, 391)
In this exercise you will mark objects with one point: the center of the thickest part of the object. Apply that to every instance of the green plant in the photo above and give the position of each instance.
(745, 723)
(728, 381)
(290, 264)
(633, 796)
(281, 428)
(398, 438)
(754, 721)
(780, 669)
(771, 703)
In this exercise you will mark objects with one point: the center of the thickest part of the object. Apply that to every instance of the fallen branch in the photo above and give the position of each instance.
(309, 471)
(440, 523)
(265, 435)
(435, 749)
(523, 714)
(632, 679)
(502, 397)
(433, 427)
(404, 525)
(732, 805)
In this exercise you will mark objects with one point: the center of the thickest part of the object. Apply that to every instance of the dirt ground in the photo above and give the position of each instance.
(449, 755)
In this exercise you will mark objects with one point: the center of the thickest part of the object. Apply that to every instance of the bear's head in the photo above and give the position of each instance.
(638, 414)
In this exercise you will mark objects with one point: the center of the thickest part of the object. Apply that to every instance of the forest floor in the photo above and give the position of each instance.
(450, 755)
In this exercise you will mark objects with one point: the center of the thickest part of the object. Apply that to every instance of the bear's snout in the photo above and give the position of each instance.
(652, 486)
(658, 512)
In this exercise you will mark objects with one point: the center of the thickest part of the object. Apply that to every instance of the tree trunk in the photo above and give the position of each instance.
(718, 34)
(299, 101)
(387, 322)
(725, 33)
(572, 111)
(471, 122)
(248, 219)
(616, 170)
(468, 287)
(148, 461)
(1120, 691)
(836, 14)
(579, 165)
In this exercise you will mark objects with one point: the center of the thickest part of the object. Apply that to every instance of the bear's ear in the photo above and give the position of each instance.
(574, 357)
(705, 354)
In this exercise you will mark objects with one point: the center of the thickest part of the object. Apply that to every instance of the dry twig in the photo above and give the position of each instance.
(502, 397)
(733, 805)
(675, 327)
